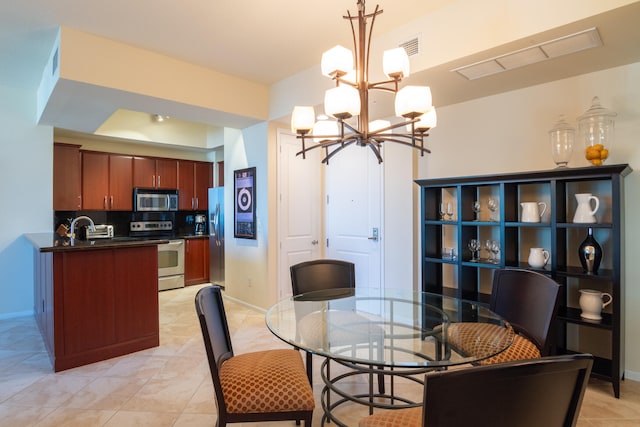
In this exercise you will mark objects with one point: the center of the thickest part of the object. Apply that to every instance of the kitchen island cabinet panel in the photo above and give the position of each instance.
(136, 280)
(87, 297)
(94, 304)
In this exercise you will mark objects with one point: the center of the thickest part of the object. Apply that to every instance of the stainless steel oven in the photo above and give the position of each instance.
(171, 265)
(170, 255)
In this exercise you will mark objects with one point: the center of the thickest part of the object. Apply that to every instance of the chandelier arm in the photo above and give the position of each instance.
(376, 149)
(351, 128)
(393, 126)
(368, 54)
(380, 85)
(337, 150)
(409, 144)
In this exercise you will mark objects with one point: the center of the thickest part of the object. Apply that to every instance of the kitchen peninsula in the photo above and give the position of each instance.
(95, 299)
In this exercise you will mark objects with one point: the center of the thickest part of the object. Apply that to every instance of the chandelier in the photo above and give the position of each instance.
(350, 97)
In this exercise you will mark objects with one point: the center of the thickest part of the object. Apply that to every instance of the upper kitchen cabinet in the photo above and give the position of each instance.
(150, 172)
(66, 177)
(194, 181)
(107, 181)
(220, 182)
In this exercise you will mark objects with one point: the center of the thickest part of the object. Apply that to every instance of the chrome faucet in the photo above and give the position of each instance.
(92, 226)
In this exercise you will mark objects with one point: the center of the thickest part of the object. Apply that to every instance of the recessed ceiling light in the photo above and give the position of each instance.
(158, 118)
(561, 46)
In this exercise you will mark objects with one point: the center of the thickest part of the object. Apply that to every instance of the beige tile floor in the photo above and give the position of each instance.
(170, 385)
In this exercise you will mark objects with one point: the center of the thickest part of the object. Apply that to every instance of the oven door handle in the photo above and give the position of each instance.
(176, 242)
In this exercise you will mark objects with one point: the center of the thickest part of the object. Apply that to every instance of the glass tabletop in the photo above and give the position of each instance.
(390, 327)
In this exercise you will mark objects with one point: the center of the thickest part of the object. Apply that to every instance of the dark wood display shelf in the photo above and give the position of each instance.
(556, 232)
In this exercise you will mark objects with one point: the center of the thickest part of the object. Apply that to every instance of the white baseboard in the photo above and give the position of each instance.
(630, 375)
(16, 315)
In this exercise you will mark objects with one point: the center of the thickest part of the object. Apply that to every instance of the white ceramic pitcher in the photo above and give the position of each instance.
(531, 211)
(584, 213)
(591, 303)
(538, 257)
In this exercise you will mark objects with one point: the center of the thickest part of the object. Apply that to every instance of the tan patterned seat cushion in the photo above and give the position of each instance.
(481, 339)
(266, 381)
(394, 418)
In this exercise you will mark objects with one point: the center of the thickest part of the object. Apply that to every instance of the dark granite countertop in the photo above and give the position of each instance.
(52, 242)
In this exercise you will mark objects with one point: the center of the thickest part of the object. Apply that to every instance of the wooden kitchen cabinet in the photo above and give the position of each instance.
(149, 172)
(96, 304)
(194, 181)
(66, 177)
(196, 261)
(107, 181)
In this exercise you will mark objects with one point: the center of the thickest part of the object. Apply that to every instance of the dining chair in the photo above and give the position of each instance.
(324, 274)
(269, 385)
(525, 393)
(528, 301)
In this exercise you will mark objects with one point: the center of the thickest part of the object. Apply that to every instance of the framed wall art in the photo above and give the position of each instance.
(244, 212)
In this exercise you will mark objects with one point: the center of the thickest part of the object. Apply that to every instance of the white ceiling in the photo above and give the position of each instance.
(268, 40)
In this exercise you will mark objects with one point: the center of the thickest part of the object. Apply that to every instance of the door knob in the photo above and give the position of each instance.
(314, 242)
(375, 235)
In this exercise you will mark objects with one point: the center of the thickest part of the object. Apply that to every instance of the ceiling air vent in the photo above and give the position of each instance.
(411, 46)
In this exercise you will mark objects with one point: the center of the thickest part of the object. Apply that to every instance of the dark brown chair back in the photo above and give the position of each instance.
(215, 333)
(528, 301)
(322, 274)
(539, 392)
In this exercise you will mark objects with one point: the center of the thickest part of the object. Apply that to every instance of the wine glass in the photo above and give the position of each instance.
(495, 249)
(450, 211)
(486, 245)
(492, 204)
(477, 207)
(441, 211)
(474, 247)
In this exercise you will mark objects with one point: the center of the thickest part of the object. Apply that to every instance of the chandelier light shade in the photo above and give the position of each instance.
(395, 63)
(337, 61)
(425, 122)
(413, 101)
(302, 119)
(342, 102)
(324, 130)
(350, 98)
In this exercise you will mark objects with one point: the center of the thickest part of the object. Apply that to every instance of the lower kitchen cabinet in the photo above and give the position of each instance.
(196, 261)
(96, 304)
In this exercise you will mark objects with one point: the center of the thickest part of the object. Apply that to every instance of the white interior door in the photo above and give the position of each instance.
(299, 228)
(354, 213)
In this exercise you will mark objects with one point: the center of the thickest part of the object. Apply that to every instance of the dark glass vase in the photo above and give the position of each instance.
(590, 254)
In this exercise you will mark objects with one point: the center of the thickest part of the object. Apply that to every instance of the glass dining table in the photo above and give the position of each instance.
(398, 334)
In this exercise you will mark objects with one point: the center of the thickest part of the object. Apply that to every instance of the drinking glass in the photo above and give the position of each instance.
(441, 211)
(495, 249)
(486, 245)
(492, 204)
(474, 247)
(476, 209)
(450, 211)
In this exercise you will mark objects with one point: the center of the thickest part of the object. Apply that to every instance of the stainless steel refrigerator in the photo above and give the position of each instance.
(216, 236)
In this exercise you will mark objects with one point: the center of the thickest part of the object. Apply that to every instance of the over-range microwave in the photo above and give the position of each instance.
(155, 200)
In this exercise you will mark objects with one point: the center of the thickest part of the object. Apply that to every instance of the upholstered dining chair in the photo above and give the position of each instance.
(528, 301)
(525, 393)
(325, 274)
(269, 385)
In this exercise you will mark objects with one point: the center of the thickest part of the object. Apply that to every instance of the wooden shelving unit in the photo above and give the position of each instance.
(556, 233)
